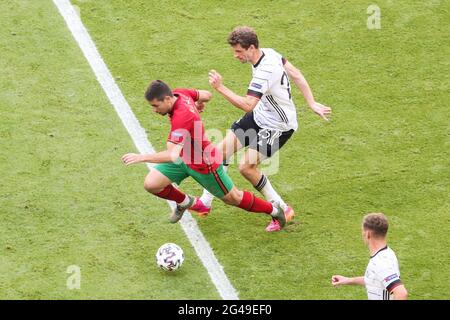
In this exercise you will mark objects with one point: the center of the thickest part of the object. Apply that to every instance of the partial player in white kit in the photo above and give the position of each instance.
(382, 274)
(382, 277)
(271, 116)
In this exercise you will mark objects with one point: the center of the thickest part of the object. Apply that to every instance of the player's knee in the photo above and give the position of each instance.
(246, 169)
(232, 198)
(227, 200)
(220, 147)
(149, 186)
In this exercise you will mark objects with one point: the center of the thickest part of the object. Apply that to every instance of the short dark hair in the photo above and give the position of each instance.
(158, 90)
(377, 223)
(245, 36)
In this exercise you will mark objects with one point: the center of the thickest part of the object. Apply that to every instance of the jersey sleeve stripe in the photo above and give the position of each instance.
(255, 94)
(393, 285)
(177, 143)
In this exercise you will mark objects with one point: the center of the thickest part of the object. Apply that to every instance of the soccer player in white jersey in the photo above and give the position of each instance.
(270, 118)
(382, 278)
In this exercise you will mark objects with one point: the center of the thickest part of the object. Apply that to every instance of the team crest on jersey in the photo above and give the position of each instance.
(256, 85)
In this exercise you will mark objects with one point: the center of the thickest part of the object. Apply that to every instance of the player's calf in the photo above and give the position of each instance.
(249, 202)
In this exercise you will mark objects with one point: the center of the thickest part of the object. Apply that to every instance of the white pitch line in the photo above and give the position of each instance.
(137, 133)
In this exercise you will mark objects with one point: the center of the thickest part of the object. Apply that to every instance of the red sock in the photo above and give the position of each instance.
(171, 193)
(252, 203)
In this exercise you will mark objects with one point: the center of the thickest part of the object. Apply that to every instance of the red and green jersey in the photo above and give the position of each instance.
(187, 130)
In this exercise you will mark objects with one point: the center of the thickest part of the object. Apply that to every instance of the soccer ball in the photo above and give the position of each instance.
(169, 257)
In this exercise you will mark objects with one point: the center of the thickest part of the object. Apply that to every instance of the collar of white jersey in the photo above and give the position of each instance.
(384, 248)
(259, 61)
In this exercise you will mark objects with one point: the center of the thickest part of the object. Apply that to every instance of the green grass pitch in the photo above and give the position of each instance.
(66, 198)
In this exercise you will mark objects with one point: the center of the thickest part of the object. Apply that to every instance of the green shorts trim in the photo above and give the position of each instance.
(216, 181)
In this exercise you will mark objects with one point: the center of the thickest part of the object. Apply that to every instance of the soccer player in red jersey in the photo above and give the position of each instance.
(190, 153)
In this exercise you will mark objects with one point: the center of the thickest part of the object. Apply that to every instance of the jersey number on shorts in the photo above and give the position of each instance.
(269, 136)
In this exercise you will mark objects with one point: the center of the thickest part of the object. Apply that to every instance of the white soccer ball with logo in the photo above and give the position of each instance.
(169, 257)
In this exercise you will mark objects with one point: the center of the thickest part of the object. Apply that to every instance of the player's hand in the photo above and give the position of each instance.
(131, 158)
(200, 106)
(215, 79)
(339, 280)
(321, 110)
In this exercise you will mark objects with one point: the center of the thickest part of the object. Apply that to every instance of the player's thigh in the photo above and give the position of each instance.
(246, 130)
(217, 182)
(166, 172)
(251, 159)
(229, 145)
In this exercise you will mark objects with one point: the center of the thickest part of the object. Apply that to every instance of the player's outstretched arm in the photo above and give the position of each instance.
(338, 280)
(246, 103)
(170, 155)
(302, 84)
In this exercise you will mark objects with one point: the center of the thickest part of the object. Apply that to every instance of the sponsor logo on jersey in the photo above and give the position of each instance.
(256, 85)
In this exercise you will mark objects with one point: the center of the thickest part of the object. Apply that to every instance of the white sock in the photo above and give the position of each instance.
(265, 187)
(185, 202)
(207, 197)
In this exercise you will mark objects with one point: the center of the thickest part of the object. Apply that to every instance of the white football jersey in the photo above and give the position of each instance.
(270, 83)
(382, 275)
